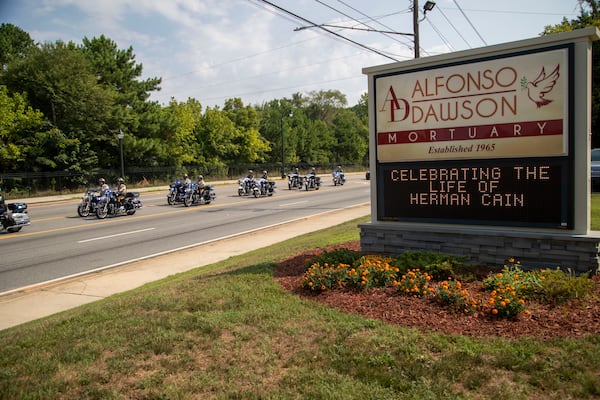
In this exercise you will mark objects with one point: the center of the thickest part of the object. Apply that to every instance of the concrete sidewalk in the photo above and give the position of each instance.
(40, 301)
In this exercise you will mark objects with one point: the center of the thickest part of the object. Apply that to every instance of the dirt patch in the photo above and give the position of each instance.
(572, 319)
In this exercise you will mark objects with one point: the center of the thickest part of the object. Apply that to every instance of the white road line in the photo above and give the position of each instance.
(112, 236)
(293, 204)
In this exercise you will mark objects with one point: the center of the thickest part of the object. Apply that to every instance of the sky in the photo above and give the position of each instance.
(214, 50)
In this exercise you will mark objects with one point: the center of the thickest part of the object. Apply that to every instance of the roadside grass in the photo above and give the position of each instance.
(228, 331)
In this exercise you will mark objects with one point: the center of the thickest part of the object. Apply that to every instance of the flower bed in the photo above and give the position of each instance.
(431, 313)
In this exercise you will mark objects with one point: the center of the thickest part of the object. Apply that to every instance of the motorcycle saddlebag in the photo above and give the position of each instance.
(17, 207)
(20, 219)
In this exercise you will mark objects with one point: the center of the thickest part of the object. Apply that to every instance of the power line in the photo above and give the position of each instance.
(377, 22)
(469, 21)
(453, 27)
(328, 30)
(386, 33)
(448, 45)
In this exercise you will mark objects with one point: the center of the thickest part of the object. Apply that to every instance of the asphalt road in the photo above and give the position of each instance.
(59, 243)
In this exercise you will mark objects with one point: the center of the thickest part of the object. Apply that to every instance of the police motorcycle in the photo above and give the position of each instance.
(338, 177)
(109, 204)
(312, 181)
(295, 181)
(248, 187)
(266, 187)
(89, 202)
(177, 192)
(196, 195)
(13, 216)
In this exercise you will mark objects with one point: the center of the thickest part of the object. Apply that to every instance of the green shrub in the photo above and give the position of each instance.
(451, 294)
(439, 266)
(547, 286)
(335, 257)
(365, 272)
(372, 271)
(556, 286)
(322, 277)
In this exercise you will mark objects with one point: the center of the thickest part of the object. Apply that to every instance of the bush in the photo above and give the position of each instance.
(372, 271)
(365, 272)
(547, 286)
(556, 286)
(321, 277)
(451, 294)
(439, 266)
(415, 283)
(335, 257)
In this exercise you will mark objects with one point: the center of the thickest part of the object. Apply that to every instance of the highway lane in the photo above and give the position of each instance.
(59, 243)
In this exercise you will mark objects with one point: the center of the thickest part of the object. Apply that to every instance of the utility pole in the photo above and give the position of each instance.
(416, 27)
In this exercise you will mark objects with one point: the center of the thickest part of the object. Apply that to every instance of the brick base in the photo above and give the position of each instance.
(580, 253)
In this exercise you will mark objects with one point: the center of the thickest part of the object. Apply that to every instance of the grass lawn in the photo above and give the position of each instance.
(228, 331)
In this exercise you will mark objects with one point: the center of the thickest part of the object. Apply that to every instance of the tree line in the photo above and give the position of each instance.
(63, 105)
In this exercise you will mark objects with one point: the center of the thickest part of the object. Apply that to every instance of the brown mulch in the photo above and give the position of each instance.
(572, 319)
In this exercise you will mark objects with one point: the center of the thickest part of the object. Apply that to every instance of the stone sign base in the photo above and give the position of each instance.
(579, 253)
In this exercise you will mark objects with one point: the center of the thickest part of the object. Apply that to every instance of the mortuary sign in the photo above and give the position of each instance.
(481, 141)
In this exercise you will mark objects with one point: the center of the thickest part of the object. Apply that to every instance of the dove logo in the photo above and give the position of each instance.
(541, 86)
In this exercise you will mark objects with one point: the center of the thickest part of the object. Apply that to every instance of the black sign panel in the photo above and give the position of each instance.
(534, 193)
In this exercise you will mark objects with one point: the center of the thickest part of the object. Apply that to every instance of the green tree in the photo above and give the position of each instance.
(117, 70)
(145, 122)
(15, 43)
(252, 146)
(216, 135)
(60, 82)
(242, 116)
(361, 109)
(183, 146)
(323, 105)
(351, 137)
(18, 124)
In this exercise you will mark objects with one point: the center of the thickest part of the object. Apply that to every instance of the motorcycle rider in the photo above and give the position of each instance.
(339, 172)
(294, 178)
(200, 182)
(120, 190)
(263, 181)
(311, 178)
(249, 180)
(264, 178)
(102, 185)
(186, 180)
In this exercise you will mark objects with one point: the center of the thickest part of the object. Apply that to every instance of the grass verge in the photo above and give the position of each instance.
(228, 331)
